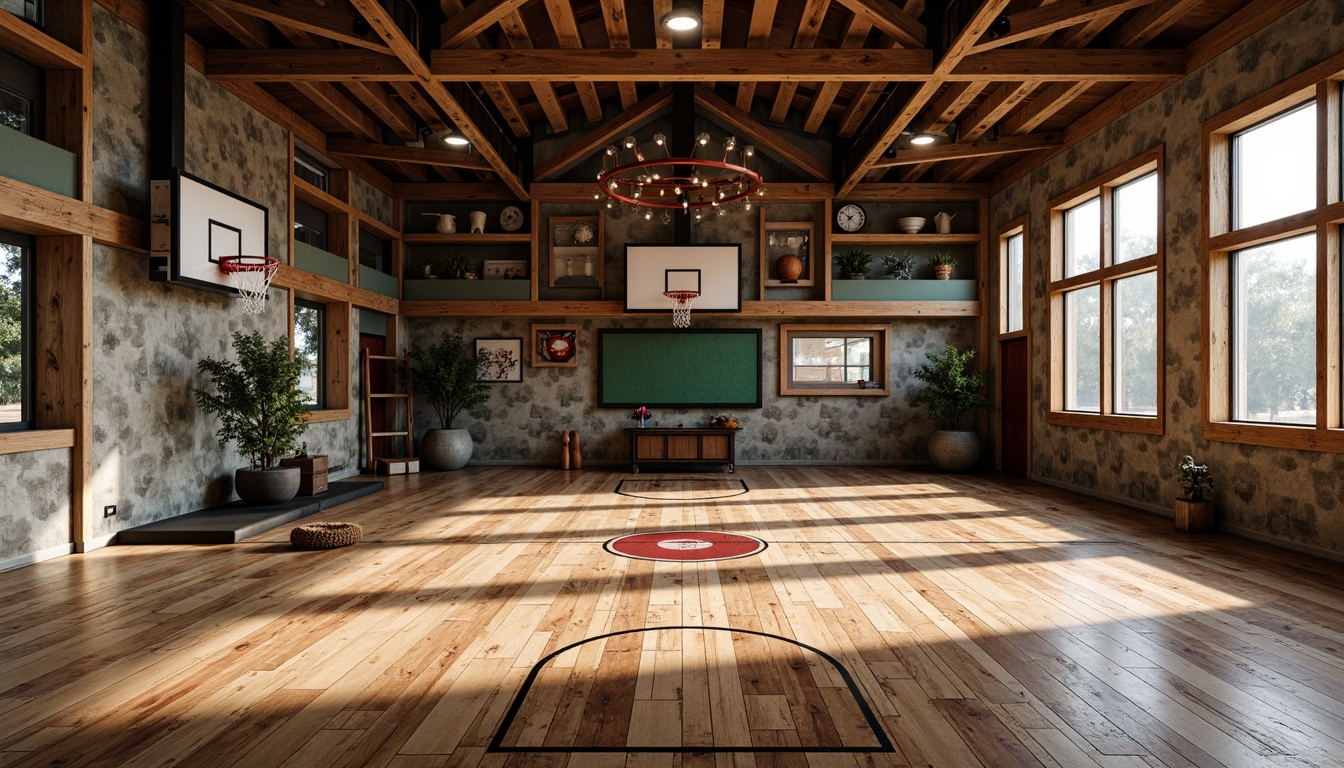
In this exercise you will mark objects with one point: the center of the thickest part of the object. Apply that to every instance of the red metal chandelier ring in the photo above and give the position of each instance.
(667, 184)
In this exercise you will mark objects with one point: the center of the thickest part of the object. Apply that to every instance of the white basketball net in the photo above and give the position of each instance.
(251, 276)
(681, 307)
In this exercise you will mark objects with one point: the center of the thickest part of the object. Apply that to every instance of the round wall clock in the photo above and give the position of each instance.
(584, 232)
(851, 218)
(511, 218)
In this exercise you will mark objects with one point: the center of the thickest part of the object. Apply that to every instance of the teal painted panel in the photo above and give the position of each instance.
(679, 369)
(378, 282)
(466, 290)
(903, 290)
(33, 161)
(319, 262)
(372, 323)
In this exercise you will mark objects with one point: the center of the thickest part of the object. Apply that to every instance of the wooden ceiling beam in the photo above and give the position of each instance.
(854, 35)
(353, 119)
(391, 34)
(809, 26)
(377, 101)
(956, 98)
(1050, 17)
(963, 150)
(308, 17)
(473, 20)
(433, 157)
(891, 20)
(1101, 65)
(1151, 22)
(248, 30)
(627, 120)
(859, 108)
(764, 138)
(758, 36)
(515, 32)
(975, 28)
(567, 33)
(318, 65)
(662, 36)
(415, 99)
(1043, 106)
(499, 93)
(689, 65)
(618, 36)
(1002, 100)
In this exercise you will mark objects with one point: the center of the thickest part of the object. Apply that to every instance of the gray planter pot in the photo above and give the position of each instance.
(954, 450)
(267, 486)
(446, 449)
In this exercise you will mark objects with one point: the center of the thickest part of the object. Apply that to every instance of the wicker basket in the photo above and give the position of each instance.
(325, 535)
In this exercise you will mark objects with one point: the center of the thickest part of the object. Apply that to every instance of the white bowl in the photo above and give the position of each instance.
(911, 225)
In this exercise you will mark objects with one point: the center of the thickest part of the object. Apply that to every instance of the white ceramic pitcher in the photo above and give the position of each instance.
(447, 223)
(943, 221)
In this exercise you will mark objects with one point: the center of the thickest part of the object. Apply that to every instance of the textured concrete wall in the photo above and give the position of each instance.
(35, 503)
(1293, 496)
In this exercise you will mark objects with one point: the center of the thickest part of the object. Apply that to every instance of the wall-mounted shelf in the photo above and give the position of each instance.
(890, 238)
(466, 238)
(754, 309)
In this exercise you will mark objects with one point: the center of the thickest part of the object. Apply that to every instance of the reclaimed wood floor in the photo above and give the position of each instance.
(985, 622)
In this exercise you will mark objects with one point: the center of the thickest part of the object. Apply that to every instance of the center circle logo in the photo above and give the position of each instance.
(685, 546)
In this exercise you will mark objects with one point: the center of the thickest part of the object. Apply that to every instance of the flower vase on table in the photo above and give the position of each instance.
(642, 416)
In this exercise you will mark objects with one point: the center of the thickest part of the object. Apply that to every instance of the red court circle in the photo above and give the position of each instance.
(685, 546)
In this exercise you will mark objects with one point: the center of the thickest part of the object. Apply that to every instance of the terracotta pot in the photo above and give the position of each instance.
(954, 450)
(942, 271)
(857, 276)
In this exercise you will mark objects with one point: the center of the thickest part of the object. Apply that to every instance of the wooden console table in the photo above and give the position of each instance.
(676, 445)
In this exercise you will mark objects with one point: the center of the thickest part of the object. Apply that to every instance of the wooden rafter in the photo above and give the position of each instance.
(376, 100)
(964, 150)
(995, 107)
(809, 26)
(567, 32)
(344, 111)
(618, 36)
(1047, 18)
(1151, 22)
(855, 34)
(892, 20)
(956, 98)
(432, 157)
(1043, 106)
(396, 40)
(762, 136)
(758, 36)
(642, 111)
(320, 65)
(248, 30)
(469, 22)
(415, 99)
(498, 93)
(515, 32)
(308, 17)
(1114, 65)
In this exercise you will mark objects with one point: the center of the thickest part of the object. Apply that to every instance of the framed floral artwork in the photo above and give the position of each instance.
(503, 360)
(555, 346)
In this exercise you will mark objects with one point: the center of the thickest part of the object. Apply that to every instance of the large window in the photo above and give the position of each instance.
(310, 225)
(309, 332)
(16, 335)
(1013, 278)
(20, 95)
(833, 360)
(1272, 274)
(1105, 299)
(28, 10)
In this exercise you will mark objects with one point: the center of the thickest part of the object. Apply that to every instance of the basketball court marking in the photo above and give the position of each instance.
(882, 743)
(696, 489)
(685, 546)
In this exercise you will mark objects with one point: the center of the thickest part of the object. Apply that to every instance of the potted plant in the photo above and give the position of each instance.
(260, 407)
(1193, 512)
(446, 375)
(943, 262)
(953, 388)
(454, 266)
(854, 263)
(900, 267)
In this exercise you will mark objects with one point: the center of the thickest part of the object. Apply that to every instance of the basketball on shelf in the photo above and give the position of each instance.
(789, 268)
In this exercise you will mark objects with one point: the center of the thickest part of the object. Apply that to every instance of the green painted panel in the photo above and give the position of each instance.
(903, 290)
(372, 323)
(378, 282)
(679, 369)
(33, 161)
(466, 290)
(319, 262)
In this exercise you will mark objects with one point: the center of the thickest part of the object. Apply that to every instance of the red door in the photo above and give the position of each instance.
(1015, 388)
(382, 446)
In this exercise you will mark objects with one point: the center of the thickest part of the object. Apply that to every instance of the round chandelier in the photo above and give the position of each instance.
(661, 181)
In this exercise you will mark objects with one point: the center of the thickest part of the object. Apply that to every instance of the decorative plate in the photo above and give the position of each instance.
(584, 232)
(511, 218)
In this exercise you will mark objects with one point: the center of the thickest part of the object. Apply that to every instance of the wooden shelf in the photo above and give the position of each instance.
(466, 238)
(319, 198)
(779, 309)
(892, 238)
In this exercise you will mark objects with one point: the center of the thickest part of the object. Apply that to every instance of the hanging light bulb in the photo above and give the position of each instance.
(648, 215)
(597, 193)
(630, 142)
(746, 204)
(702, 138)
(659, 139)
(698, 215)
(722, 211)
(676, 190)
(667, 217)
(729, 144)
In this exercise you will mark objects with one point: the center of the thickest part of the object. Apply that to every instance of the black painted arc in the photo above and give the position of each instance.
(884, 742)
(744, 491)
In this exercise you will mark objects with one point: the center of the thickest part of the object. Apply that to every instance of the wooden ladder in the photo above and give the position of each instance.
(389, 465)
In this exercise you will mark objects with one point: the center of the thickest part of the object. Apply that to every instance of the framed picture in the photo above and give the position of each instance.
(504, 359)
(555, 346)
(505, 269)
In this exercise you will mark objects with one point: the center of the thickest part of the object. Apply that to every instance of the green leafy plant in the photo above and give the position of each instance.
(446, 375)
(1194, 479)
(256, 399)
(943, 259)
(900, 267)
(953, 388)
(854, 262)
(455, 266)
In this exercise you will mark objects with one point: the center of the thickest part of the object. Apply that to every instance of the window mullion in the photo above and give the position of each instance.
(1107, 362)
(1327, 328)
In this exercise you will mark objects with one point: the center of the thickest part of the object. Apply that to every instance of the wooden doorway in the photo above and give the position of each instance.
(1015, 405)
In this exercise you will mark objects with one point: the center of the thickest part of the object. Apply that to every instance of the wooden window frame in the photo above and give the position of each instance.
(1320, 84)
(1019, 226)
(335, 366)
(1106, 276)
(27, 244)
(880, 335)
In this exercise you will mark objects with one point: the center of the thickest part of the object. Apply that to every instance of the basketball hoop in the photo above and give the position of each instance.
(681, 307)
(251, 275)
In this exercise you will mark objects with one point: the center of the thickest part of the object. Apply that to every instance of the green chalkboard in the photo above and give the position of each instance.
(697, 367)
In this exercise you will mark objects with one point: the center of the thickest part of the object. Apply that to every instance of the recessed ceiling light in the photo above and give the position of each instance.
(923, 139)
(681, 20)
(455, 139)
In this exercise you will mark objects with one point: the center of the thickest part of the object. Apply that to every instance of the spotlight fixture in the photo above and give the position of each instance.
(453, 138)
(1001, 26)
(923, 139)
(681, 20)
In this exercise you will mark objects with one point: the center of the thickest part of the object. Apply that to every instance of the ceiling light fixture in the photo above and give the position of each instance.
(660, 180)
(455, 139)
(923, 139)
(681, 20)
